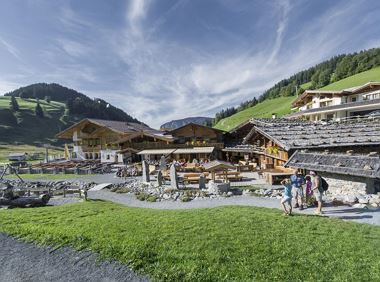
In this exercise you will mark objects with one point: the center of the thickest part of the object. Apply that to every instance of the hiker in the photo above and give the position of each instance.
(317, 191)
(287, 196)
(308, 190)
(297, 180)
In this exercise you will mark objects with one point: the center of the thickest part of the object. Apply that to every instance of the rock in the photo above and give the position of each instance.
(360, 206)
(145, 170)
(350, 199)
(159, 178)
(218, 188)
(375, 205)
(173, 177)
(267, 192)
(202, 181)
(230, 193)
(362, 200)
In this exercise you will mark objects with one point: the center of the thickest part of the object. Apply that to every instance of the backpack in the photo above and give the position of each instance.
(324, 184)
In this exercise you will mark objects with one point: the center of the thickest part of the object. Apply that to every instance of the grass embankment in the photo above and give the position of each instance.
(355, 80)
(281, 106)
(219, 244)
(25, 127)
(5, 150)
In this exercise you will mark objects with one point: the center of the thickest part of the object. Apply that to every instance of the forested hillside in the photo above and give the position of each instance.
(76, 103)
(36, 113)
(325, 73)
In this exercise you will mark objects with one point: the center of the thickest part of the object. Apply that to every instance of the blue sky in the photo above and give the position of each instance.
(163, 59)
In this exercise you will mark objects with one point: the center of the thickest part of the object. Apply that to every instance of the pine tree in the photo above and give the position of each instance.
(38, 111)
(14, 105)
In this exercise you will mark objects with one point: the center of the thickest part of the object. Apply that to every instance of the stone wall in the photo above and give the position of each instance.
(348, 185)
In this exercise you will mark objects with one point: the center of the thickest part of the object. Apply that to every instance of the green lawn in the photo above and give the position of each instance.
(306, 85)
(38, 176)
(281, 106)
(355, 80)
(218, 244)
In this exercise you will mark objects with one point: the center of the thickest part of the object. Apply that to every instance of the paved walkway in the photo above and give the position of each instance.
(370, 216)
(21, 261)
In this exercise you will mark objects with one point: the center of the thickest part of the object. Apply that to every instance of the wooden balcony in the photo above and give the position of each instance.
(156, 145)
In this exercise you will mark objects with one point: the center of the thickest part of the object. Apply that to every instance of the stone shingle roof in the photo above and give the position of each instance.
(296, 134)
(355, 165)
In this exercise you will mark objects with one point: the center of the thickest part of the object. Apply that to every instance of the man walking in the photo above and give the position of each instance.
(297, 180)
(317, 190)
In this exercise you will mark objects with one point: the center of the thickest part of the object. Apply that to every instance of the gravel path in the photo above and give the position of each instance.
(27, 262)
(370, 216)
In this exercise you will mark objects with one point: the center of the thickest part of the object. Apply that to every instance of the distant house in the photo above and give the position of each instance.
(315, 105)
(17, 157)
(117, 142)
(96, 139)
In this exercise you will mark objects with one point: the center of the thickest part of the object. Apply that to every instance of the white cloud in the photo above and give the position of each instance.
(10, 48)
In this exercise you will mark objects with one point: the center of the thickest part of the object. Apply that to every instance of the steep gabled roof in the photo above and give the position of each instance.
(121, 127)
(196, 125)
(355, 165)
(297, 134)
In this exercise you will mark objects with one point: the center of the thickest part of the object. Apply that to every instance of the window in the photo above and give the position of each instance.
(108, 157)
(353, 99)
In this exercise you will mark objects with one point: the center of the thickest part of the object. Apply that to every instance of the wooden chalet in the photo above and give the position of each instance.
(96, 139)
(273, 141)
(191, 141)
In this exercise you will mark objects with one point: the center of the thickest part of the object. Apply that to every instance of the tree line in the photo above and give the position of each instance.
(320, 75)
(76, 103)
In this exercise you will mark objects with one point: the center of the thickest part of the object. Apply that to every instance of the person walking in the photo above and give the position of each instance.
(287, 196)
(317, 191)
(297, 181)
(308, 190)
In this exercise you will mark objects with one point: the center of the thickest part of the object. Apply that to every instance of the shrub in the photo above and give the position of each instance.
(152, 198)
(185, 199)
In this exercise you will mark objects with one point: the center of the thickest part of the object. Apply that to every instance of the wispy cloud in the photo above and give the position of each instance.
(10, 48)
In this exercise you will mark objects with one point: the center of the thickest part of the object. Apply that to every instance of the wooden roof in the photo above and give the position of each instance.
(354, 165)
(297, 134)
(195, 125)
(348, 91)
(217, 165)
(121, 127)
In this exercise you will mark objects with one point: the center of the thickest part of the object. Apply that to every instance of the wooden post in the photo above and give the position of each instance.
(64, 192)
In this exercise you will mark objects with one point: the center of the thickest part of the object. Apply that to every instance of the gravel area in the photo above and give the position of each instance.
(21, 261)
(370, 216)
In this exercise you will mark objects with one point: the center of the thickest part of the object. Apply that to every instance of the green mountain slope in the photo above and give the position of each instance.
(281, 106)
(355, 80)
(66, 107)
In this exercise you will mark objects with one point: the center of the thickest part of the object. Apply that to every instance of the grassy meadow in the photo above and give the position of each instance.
(217, 244)
(355, 80)
(5, 150)
(25, 127)
(281, 106)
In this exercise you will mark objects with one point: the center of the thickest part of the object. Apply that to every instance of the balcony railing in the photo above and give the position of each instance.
(344, 106)
(155, 145)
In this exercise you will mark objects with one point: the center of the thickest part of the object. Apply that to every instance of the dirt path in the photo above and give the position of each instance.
(370, 216)
(26, 262)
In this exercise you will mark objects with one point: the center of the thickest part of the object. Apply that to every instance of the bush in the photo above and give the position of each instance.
(152, 198)
(120, 190)
(185, 199)
(142, 196)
